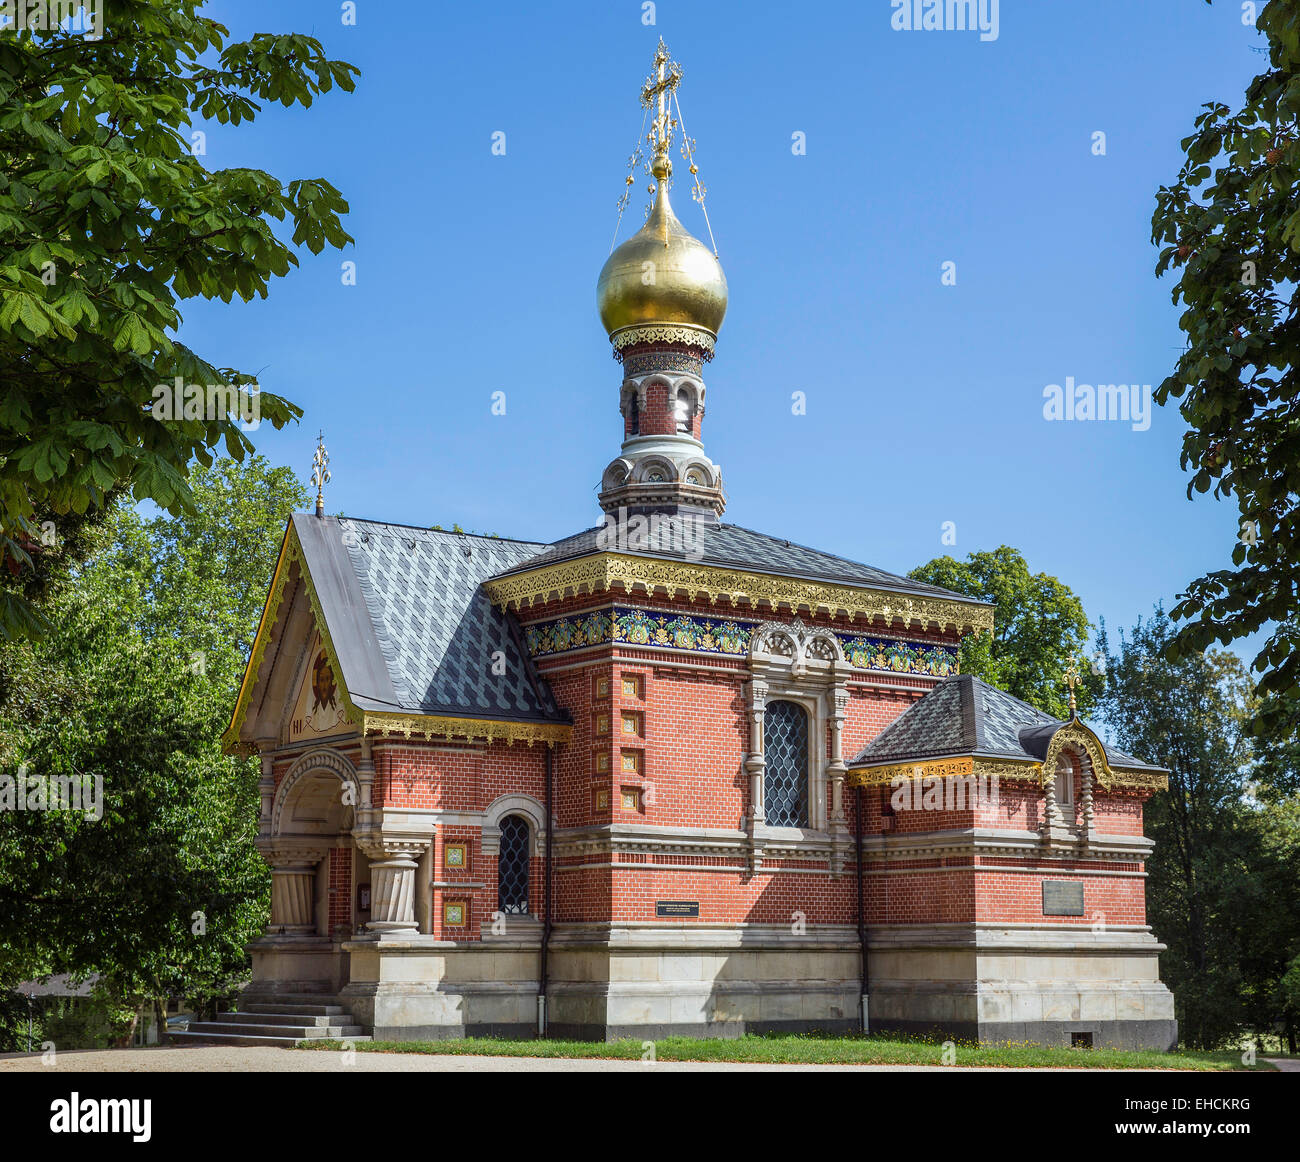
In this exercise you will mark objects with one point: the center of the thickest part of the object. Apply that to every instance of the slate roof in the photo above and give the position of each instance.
(413, 629)
(966, 716)
(731, 546)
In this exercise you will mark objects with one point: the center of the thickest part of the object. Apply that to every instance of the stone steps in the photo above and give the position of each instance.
(276, 1008)
(250, 1017)
(280, 1021)
(298, 1032)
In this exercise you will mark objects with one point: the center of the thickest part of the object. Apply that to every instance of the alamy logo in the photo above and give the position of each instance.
(1126, 402)
(102, 1115)
(943, 793)
(83, 794)
(81, 17)
(946, 16)
(214, 401)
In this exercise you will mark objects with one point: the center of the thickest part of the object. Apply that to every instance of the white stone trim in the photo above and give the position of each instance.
(515, 804)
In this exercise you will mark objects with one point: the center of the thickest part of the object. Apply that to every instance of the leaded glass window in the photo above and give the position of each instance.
(512, 866)
(785, 771)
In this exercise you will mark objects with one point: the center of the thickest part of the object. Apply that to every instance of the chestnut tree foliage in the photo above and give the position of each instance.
(133, 685)
(108, 220)
(1229, 228)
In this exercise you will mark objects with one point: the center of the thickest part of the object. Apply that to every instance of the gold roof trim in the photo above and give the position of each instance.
(603, 571)
(1014, 770)
(665, 333)
(429, 726)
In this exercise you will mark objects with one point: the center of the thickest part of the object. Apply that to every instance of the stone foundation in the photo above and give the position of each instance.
(1039, 983)
(966, 982)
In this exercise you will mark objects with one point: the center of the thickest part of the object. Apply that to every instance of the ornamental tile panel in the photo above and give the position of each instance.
(728, 637)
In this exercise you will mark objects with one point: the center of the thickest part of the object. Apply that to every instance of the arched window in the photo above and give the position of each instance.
(682, 410)
(785, 772)
(1065, 783)
(512, 866)
(634, 415)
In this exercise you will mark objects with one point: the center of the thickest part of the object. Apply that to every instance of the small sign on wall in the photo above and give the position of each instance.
(677, 907)
(1062, 898)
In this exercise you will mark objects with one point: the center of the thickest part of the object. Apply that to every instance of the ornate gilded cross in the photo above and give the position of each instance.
(656, 89)
(320, 473)
(1072, 680)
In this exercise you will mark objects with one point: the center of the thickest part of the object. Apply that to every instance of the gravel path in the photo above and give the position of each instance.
(256, 1059)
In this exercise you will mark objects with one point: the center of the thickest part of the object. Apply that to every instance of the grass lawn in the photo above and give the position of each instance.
(811, 1050)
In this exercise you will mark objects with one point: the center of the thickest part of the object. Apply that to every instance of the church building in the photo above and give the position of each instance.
(670, 775)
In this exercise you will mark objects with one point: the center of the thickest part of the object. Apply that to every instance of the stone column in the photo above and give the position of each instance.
(393, 863)
(266, 792)
(293, 895)
(835, 769)
(1054, 826)
(754, 761)
(1085, 799)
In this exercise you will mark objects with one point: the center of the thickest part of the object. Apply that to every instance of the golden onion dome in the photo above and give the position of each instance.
(662, 275)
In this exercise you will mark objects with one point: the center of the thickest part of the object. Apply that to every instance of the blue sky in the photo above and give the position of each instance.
(476, 273)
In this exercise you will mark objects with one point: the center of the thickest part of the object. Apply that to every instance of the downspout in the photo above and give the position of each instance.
(543, 969)
(862, 912)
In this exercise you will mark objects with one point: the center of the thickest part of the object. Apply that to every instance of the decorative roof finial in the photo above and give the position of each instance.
(1072, 680)
(320, 473)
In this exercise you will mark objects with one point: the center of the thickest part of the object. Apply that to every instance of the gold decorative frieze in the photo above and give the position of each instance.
(430, 726)
(1011, 770)
(603, 571)
(664, 333)
(959, 767)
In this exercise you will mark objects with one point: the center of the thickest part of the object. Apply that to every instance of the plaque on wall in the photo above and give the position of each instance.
(1062, 898)
(677, 907)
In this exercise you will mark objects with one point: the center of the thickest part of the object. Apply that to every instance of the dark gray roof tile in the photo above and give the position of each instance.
(966, 716)
(413, 627)
(731, 546)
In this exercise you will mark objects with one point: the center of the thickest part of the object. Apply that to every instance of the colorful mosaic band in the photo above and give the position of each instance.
(633, 626)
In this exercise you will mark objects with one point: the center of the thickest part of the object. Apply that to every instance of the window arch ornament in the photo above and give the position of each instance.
(516, 804)
(804, 665)
(1075, 744)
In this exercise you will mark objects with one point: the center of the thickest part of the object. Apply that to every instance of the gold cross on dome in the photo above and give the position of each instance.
(1072, 678)
(655, 91)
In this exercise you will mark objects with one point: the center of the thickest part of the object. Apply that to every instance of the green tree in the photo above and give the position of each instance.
(1230, 227)
(1038, 626)
(134, 685)
(1222, 888)
(108, 217)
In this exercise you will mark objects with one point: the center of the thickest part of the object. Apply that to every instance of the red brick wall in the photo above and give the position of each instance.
(690, 739)
(340, 888)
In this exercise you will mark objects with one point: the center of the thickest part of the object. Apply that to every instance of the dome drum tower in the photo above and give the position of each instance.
(662, 298)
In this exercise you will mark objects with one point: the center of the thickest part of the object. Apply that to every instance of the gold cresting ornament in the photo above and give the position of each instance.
(320, 473)
(1072, 678)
